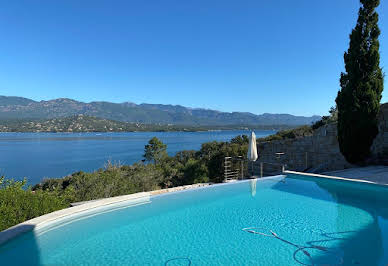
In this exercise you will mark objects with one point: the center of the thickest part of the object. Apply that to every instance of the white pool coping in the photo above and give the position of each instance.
(52, 220)
(81, 210)
(86, 209)
(71, 213)
(335, 178)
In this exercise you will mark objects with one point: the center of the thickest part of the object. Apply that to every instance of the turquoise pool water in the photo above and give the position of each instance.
(279, 221)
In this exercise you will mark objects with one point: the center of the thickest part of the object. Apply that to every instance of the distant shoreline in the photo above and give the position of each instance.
(84, 124)
(55, 155)
(160, 131)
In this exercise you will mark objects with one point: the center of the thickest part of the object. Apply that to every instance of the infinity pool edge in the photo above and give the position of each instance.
(83, 209)
(93, 207)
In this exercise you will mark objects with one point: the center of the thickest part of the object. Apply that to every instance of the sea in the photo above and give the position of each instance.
(36, 156)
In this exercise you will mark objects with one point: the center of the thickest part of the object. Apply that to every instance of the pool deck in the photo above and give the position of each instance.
(377, 174)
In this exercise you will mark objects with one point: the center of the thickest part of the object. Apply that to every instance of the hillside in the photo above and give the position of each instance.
(22, 108)
(82, 123)
(79, 123)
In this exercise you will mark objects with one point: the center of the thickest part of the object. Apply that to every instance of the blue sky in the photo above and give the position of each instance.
(277, 56)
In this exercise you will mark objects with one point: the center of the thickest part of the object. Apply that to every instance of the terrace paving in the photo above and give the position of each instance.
(377, 174)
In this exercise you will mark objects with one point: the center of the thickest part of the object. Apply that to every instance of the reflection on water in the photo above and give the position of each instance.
(361, 221)
(13, 250)
(252, 184)
(297, 222)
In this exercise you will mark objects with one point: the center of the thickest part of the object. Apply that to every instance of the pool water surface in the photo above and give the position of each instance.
(293, 220)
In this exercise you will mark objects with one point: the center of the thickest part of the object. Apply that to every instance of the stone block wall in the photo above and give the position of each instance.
(317, 153)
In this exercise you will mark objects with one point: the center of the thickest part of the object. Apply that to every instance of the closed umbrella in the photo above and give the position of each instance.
(252, 149)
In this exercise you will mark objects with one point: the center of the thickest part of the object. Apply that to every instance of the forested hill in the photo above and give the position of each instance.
(23, 108)
(82, 123)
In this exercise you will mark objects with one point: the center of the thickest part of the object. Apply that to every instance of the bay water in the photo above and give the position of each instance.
(36, 156)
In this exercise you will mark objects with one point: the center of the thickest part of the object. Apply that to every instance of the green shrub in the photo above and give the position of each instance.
(298, 132)
(213, 154)
(112, 181)
(195, 171)
(332, 118)
(18, 204)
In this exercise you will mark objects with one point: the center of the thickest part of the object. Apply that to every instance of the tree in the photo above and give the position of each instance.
(185, 155)
(155, 150)
(333, 117)
(240, 139)
(195, 171)
(358, 100)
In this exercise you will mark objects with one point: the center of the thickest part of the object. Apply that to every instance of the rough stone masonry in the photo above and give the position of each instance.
(319, 152)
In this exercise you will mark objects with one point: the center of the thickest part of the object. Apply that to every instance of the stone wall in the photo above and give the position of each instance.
(317, 153)
(379, 148)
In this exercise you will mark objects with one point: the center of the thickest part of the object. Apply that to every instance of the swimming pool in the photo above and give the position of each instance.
(293, 220)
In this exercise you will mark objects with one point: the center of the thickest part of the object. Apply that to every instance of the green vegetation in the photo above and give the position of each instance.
(358, 100)
(113, 180)
(155, 151)
(332, 118)
(298, 132)
(18, 204)
(302, 131)
(82, 123)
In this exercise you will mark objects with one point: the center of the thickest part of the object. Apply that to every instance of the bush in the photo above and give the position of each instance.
(332, 118)
(213, 154)
(195, 171)
(298, 132)
(112, 181)
(18, 204)
(240, 139)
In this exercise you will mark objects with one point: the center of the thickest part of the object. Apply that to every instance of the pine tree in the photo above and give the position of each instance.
(155, 150)
(358, 101)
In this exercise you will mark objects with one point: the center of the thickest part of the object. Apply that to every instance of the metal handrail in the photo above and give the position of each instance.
(276, 164)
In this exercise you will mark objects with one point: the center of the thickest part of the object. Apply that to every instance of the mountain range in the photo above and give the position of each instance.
(12, 107)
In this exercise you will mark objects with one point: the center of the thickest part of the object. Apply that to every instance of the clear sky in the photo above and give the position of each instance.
(276, 56)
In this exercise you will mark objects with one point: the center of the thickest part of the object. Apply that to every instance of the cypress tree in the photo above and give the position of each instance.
(358, 100)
